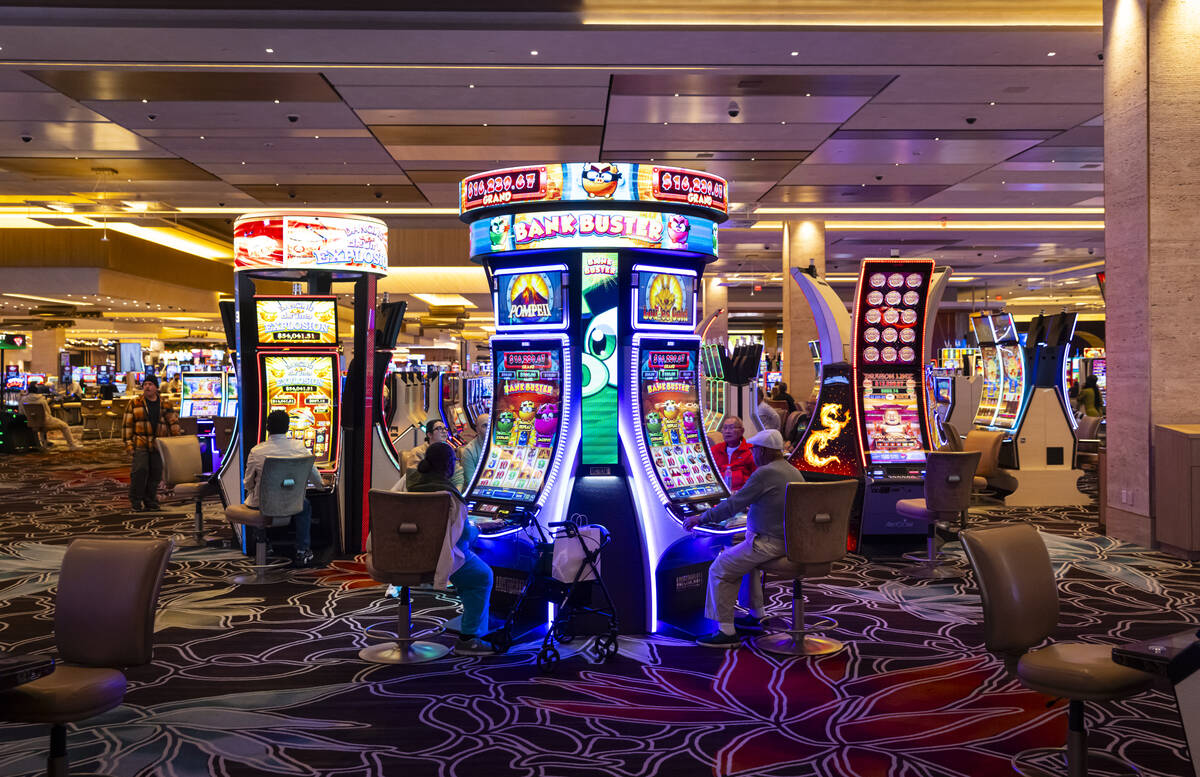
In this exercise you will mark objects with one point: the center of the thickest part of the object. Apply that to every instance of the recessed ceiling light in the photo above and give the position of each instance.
(470, 86)
(677, 94)
(533, 53)
(316, 137)
(270, 51)
(1050, 53)
(485, 124)
(993, 102)
(783, 122)
(277, 102)
(808, 94)
(243, 162)
(795, 53)
(665, 123)
(202, 137)
(145, 100)
(937, 138)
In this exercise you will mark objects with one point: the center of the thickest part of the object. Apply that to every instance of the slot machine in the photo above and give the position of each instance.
(990, 372)
(625, 245)
(890, 398)
(202, 397)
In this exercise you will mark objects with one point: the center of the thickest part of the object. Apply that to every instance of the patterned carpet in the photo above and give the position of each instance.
(265, 680)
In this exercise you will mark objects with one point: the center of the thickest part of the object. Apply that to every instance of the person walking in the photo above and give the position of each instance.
(147, 418)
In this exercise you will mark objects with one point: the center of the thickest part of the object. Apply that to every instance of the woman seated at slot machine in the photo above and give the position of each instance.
(435, 432)
(471, 576)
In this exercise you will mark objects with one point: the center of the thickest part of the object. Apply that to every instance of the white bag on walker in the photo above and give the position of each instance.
(569, 557)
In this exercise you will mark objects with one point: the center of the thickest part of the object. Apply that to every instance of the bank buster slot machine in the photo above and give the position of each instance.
(890, 398)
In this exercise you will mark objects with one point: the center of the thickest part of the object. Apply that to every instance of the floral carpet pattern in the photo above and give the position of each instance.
(265, 680)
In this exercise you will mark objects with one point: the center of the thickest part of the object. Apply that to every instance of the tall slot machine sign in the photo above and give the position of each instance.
(890, 397)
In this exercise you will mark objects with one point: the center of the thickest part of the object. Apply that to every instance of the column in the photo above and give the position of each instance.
(46, 346)
(716, 297)
(803, 246)
(1151, 196)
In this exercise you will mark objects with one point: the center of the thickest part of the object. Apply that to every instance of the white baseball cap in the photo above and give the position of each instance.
(768, 438)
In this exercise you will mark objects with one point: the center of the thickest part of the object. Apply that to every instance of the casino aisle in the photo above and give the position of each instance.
(266, 681)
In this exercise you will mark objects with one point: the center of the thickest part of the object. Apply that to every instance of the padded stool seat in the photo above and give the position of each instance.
(246, 516)
(916, 508)
(1079, 670)
(195, 490)
(793, 569)
(978, 483)
(67, 694)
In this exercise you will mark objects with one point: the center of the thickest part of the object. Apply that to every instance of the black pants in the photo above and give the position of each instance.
(144, 477)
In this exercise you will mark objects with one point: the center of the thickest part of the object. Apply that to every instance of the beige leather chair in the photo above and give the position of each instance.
(948, 480)
(114, 417)
(91, 413)
(1020, 611)
(988, 474)
(816, 523)
(35, 418)
(407, 532)
(103, 623)
(189, 425)
(281, 490)
(183, 472)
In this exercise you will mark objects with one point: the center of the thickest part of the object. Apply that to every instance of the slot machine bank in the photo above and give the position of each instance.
(596, 376)
(289, 356)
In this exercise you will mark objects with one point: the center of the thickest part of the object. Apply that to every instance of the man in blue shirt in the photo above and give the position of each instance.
(762, 497)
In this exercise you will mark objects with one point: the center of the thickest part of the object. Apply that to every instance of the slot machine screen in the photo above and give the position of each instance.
(35, 379)
(14, 380)
(201, 395)
(103, 376)
(671, 424)
(231, 394)
(531, 298)
(1100, 370)
(892, 418)
(665, 299)
(1012, 385)
(527, 407)
(296, 321)
(87, 377)
(307, 387)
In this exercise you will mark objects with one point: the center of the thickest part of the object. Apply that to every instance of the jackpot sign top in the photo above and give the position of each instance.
(308, 240)
(595, 183)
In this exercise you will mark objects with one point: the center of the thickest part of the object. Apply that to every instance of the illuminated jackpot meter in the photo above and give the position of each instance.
(522, 458)
(202, 394)
(671, 437)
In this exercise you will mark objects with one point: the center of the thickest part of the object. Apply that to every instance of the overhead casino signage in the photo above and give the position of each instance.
(310, 241)
(593, 182)
(584, 228)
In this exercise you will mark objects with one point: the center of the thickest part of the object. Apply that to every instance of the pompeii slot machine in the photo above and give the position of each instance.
(890, 398)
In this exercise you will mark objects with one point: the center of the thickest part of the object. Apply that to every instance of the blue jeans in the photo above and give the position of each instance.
(303, 523)
(474, 583)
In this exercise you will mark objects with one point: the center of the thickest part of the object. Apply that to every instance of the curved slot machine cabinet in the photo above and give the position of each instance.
(202, 397)
(890, 398)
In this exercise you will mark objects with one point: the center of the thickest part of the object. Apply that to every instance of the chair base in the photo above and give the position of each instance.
(262, 575)
(928, 571)
(1059, 764)
(407, 652)
(787, 644)
(813, 624)
(387, 630)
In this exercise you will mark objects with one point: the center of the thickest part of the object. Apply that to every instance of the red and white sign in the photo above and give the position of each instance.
(310, 241)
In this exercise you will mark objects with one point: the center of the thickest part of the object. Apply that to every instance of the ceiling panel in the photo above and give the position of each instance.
(1062, 154)
(948, 116)
(279, 149)
(187, 86)
(241, 115)
(483, 116)
(1005, 174)
(893, 174)
(1084, 135)
(729, 84)
(486, 156)
(497, 135)
(752, 109)
(480, 98)
(896, 195)
(747, 137)
(138, 169)
(72, 136)
(440, 195)
(43, 106)
(914, 151)
(260, 169)
(518, 77)
(350, 195)
(981, 85)
(1006, 196)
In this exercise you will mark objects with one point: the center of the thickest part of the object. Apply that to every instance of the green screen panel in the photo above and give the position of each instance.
(599, 296)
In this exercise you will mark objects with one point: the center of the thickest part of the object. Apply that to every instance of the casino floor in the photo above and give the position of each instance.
(266, 680)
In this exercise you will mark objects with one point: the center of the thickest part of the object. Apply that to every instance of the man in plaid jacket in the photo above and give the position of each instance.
(147, 418)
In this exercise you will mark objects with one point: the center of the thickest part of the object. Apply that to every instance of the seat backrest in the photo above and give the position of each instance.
(90, 407)
(1016, 584)
(1088, 428)
(223, 429)
(789, 425)
(119, 406)
(182, 460)
(817, 520)
(954, 440)
(407, 531)
(949, 476)
(107, 595)
(282, 485)
(35, 414)
(189, 425)
(988, 444)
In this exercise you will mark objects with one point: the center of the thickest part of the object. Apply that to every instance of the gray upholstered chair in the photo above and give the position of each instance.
(407, 532)
(816, 523)
(281, 490)
(1020, 611)
(949, 477)
(183, 472)
(103, 623)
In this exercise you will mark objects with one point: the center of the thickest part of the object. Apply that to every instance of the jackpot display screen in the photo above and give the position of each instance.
(231, 394)
(526, 409)
(296, 321)
(201, 395)
(671, 424)
(666, 299)
(530, 299)
(892, 418)
(34, 379)
(1011, 358)
(307, 386)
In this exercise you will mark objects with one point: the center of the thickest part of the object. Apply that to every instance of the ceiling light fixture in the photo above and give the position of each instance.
(795, 53)
(533, 53)
(270, 51)
(1051, 53)
(470, 86)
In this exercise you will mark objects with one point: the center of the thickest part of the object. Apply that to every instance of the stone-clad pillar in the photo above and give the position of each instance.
(1152, 241)
(716, 297)
(803, 246)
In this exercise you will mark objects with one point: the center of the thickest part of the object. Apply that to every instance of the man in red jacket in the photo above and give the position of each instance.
(734, 459)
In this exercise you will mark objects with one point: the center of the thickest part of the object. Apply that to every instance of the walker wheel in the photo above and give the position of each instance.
(563, 634)
(547, 658)
(606, 646)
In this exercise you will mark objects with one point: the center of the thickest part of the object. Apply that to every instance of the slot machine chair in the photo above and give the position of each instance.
(103, 623)
(1020, 610)
(988, 443)
(949, 479)
(183, 472)
(816, 523)
(407, 534)
(35, 419)
(954, 441)
(91, 413)
(114, 417)
(280, 496)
